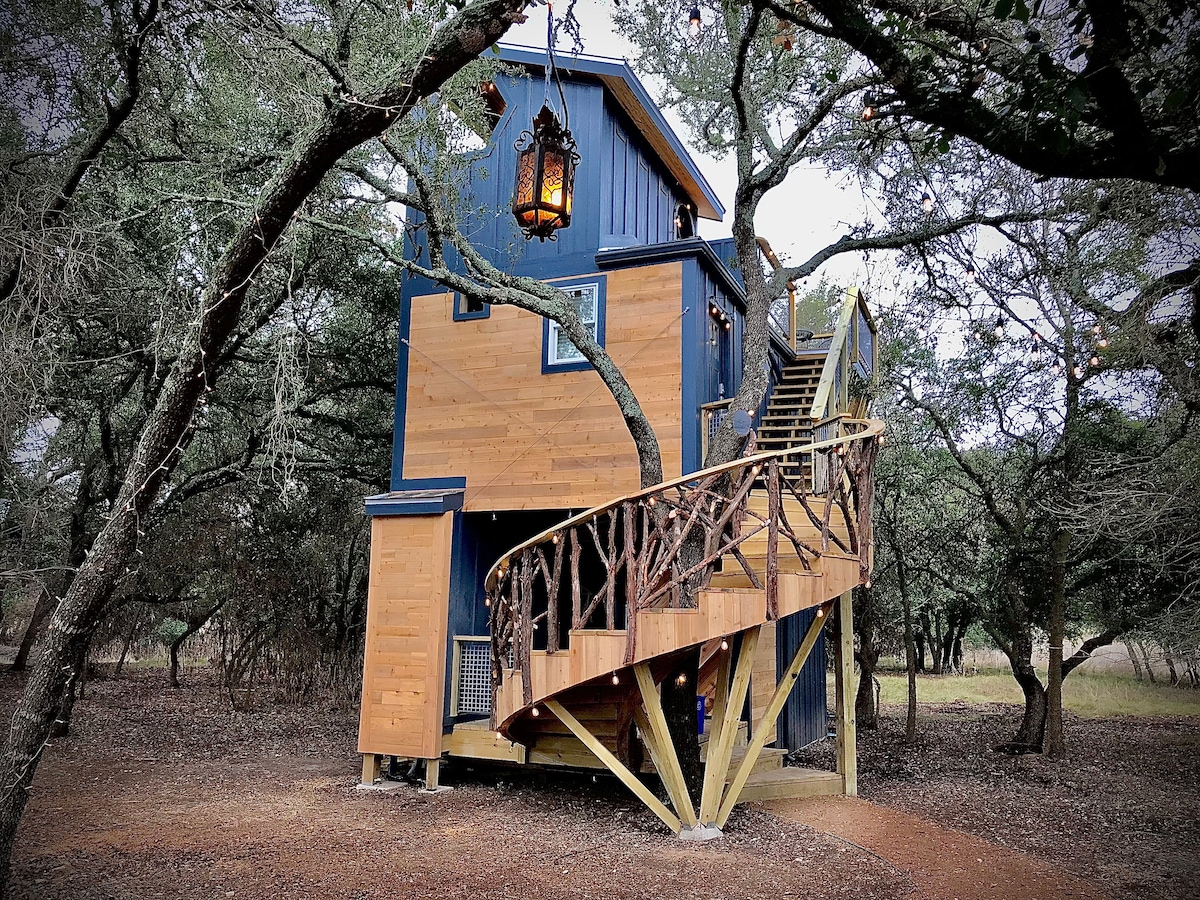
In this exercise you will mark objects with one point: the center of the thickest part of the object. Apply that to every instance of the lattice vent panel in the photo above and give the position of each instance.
(475, 677)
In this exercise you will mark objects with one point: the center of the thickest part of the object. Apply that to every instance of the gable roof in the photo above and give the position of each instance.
(636, 103)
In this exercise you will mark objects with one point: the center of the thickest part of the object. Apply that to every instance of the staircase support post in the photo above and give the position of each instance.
(759, 739)
(716, 767)
(667, 759)
(847, 732)
(614, 765)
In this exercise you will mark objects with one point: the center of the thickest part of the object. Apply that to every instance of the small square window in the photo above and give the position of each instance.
(561, 349)
(559, 354)
(470, 308)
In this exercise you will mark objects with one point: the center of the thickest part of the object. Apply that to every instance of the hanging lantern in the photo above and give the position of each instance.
(546, 161)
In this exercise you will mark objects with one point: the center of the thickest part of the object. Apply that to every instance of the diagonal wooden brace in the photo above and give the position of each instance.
(667, 761)
(716, 768)
(771, 713)
(614, 765)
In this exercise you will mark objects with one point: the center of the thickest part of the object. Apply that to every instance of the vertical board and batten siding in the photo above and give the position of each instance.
(478, 404)
(404, 667)
(803, 719)
(624, 195)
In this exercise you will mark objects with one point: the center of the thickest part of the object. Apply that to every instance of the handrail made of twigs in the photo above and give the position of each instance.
(870, 428)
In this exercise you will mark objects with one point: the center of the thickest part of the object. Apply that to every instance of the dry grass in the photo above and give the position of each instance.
(1085, 694)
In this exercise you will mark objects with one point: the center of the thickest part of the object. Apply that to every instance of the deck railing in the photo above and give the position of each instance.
(659, 547)
(852, 349)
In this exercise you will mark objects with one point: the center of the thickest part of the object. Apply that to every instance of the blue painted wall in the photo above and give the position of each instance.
(624, 196)
(803, 719)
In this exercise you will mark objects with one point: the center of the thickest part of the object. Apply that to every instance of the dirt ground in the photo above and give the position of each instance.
(170, 794)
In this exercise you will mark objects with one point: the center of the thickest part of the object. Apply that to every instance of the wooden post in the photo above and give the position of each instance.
(792, 317)
(667, 764)
(786, 681)
(432, 767)
(615, 765)
(847, 736)
(716, 767)
(371, 770)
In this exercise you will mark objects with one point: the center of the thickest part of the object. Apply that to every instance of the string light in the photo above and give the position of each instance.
(554, 538)
(615, 679)
(868, 112)
(1057, 367)
(682, 679)
(1102, 343)
(535, 712)
(927, 203)
(1094, 361)
(695, 24)
(724, 643)
(971, 273)
(999, 329)
(1078, 370)
(1097, 330)
(499, 736)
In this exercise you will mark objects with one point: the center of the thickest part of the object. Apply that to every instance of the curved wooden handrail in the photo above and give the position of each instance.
(871, 428)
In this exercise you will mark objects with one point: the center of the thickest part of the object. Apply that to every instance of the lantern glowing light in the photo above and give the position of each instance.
(546, 160)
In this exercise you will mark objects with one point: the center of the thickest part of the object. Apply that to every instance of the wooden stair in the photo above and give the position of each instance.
(787, 422)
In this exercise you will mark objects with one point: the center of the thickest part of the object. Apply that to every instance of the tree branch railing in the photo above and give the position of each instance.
(657, 548)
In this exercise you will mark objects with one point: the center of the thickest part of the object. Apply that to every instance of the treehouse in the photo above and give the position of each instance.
(526, 595)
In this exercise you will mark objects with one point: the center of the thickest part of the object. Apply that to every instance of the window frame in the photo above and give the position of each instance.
(462, 314)
(550, 329)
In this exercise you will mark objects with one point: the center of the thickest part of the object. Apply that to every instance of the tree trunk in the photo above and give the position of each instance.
(679, 707)
(41, 609)
(1137, 666)
(168, 427)
(194, 624)
(127, 643)
(1146, 660)
(1171, 667)
(62, 724)
(1055, 742)
(910, 656)
(919, 637)
(865, 709)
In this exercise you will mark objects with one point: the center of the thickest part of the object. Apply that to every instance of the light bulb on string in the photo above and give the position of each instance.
(1097, 330)
(1034, 350)
(868, 110)
(998, 331)
(695, 24)
(682, 679)
(535, 712)
(1077, 371)
(1102, 343)
(927, 203)
(1094, 361)
(1057, 367)
(615, 679)
(971, 273)
(724, 643)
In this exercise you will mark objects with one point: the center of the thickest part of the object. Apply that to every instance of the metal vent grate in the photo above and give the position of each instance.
(475, 677)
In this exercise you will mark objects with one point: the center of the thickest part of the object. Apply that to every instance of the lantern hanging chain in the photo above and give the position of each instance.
(552, 69)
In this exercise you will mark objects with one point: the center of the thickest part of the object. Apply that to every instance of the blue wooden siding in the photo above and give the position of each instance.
(803, 719)
(624, 196)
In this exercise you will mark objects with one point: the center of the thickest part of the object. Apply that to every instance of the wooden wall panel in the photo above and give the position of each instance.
(404, 668)
(479, 406)
(763, 677)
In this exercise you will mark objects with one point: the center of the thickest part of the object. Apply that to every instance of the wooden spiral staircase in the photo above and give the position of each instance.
(587, 617)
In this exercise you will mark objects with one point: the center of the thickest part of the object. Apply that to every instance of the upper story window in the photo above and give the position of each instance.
(558, 353)
(470, 308)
